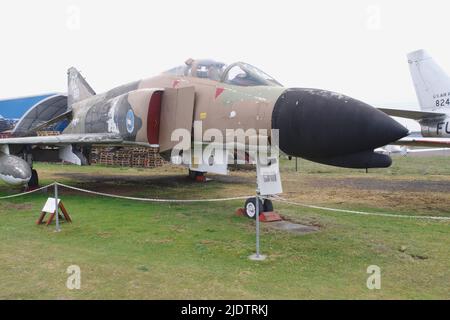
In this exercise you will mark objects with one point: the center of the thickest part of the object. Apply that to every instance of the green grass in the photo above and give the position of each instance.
(134, 250)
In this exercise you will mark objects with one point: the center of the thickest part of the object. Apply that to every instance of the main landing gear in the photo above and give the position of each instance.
(34, 180)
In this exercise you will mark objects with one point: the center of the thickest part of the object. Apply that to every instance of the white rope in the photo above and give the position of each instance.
(152, 199)
(359, 212)
(27, 192)
(275, 198)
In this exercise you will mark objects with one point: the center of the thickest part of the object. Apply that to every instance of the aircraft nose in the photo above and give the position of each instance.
(317, 124)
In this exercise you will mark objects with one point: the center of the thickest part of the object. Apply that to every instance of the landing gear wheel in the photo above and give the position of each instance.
(250, 207)
(268, 206)
(34, 180)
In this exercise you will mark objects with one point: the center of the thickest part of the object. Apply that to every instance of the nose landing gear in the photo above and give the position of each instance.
(250, 207)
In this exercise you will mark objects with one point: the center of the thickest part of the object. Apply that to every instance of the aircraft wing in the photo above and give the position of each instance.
(411, 114)
(64, 139)
(424, 142)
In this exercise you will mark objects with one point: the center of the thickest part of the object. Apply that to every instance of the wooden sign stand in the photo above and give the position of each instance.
(49, 207)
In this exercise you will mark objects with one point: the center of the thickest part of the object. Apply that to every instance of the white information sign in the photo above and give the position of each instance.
(49, 206)
(268, 175)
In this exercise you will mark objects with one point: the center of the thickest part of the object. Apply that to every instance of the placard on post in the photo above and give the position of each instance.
(49, 207)
(268, 175)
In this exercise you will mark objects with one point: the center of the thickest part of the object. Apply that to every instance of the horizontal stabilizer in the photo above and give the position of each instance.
(412, 114)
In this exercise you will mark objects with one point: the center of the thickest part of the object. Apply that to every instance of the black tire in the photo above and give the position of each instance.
(268, 206)
(250, 207)
(34, 180)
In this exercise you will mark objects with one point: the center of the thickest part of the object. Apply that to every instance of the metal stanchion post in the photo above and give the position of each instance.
(257, 224)
(57, 208)
(258, 256)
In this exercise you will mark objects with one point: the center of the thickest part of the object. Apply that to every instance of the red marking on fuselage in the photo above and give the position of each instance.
(154, 113)
(219, 91)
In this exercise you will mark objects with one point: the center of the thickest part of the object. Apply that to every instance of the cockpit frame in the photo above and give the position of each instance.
(220, 72)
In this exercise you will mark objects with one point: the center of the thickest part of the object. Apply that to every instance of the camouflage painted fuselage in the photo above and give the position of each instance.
(218, 105)
(315, 124)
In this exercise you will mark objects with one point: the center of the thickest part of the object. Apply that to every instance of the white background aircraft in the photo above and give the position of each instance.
(432, 85)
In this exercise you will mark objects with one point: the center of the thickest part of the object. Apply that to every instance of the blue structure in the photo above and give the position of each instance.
(16, 108)
(20, 115)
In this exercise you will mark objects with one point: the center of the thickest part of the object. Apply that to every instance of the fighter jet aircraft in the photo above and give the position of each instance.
(432, 85)
(314, 124)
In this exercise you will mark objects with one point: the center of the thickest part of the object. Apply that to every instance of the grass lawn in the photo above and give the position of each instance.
(136, 250)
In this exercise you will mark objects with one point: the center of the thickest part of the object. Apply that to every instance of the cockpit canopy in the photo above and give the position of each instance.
(238, 73)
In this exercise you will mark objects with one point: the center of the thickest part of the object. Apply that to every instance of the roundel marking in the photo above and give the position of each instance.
(129, 120)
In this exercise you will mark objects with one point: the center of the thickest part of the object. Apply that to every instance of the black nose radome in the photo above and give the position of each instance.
(323, 125)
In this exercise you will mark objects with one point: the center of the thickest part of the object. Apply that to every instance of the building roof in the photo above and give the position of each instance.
(14, 108)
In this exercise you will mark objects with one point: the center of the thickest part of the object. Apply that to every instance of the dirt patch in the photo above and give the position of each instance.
(20, 206)
(127, 185)
(169, 180)
(413, 196)
(382, 185)
(292, 227)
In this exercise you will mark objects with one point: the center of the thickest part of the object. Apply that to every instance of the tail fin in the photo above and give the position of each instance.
(431, 82)
(77, 87)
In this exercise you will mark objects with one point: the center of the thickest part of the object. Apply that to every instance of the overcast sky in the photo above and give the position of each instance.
(355, 47)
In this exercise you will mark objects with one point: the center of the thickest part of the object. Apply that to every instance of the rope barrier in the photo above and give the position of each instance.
(274, 198)
(391, 215)
(27, 192)
(152, 199)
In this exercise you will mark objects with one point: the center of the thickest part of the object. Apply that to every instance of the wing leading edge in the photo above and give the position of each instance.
(64, 139)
